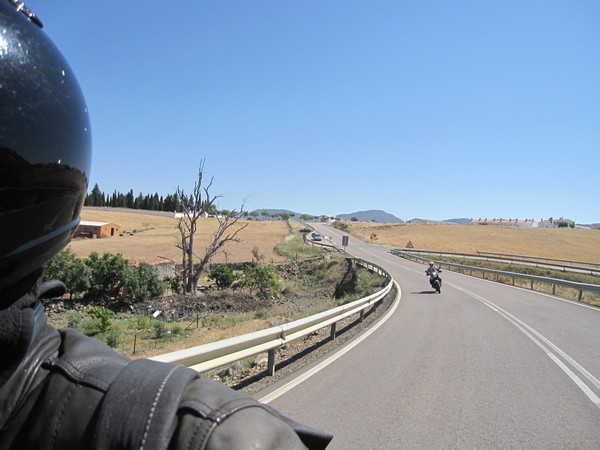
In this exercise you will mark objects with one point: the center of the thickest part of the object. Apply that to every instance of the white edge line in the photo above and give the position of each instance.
(309, 373)
(527, 330)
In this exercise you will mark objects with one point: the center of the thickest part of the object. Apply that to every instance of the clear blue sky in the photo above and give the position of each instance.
(428, 109)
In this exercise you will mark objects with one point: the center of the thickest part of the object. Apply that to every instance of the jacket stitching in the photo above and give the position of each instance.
(60, 415)
(153, 408)
(193, 436)
(80, 375)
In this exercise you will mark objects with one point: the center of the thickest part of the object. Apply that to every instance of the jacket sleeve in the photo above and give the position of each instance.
(212, 416)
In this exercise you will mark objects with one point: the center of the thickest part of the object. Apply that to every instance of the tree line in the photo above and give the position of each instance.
(172, 203)
(154, 202)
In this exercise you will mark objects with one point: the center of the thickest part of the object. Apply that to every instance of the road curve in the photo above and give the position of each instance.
(481, 365)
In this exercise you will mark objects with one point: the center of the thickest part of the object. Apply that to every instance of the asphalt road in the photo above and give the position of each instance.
(481, 365)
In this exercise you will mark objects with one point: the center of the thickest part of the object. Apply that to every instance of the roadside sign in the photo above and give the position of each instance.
(345, 241)
(410, 245)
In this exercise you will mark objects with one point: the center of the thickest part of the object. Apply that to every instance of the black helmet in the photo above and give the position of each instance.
(45, 146)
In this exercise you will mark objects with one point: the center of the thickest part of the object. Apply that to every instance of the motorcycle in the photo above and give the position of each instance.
(435, 280)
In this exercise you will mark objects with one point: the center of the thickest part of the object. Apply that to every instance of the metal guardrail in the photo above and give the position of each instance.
(531, 260)
(581, 287)
(570, 263)
(217, 354)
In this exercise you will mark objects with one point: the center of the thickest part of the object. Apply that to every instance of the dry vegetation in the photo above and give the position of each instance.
(560, 243)
(154, 238)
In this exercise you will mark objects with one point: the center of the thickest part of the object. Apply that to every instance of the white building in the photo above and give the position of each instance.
(525, 223)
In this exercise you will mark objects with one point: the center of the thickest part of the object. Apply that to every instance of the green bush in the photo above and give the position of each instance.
(69, 269)
(88, 327)
(175, 283)
(143, 283)
(222, 275)
(159, 329)
(113, 338)
(102, 316)
(262, 280)
(140, 322)
(108, 275)
(74, 319)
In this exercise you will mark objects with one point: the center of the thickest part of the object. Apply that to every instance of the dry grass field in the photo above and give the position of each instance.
(560, 243)
(155, 238)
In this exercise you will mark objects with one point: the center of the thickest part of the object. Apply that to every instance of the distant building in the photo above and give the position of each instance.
(555, 223)
(98, 229)
(525, 223)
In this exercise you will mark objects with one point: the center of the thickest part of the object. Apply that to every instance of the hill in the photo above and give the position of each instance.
(372, 215)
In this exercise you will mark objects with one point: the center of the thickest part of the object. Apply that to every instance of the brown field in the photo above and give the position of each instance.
(559, 243)
(155, 237)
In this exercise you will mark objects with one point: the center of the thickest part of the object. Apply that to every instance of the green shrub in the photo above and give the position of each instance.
(74, 319)
(69, 269)
(262, 280)
(143, 282)
(222, 275)
(140, 322)
(108, 275)
(159, 329)
(175, 283)
(102, 316)
(88, 327)
(113, 338)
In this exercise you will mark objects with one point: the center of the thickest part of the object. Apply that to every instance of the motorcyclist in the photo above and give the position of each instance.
(58, 388)
(432, 267)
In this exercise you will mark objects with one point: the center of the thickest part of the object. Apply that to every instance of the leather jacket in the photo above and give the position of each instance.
(59, 392)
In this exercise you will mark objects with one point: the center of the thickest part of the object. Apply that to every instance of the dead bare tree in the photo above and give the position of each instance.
(196, 205)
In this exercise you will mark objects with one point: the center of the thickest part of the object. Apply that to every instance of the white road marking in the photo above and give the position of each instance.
(538, 339)
(528, 331)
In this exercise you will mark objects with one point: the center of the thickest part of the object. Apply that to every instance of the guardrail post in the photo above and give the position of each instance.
(553, 289)
(271, 362)
(362, 315)
(532, 285)
(333, 331)
(580, 295)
